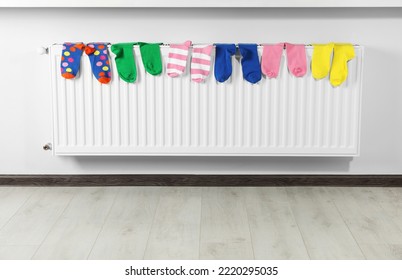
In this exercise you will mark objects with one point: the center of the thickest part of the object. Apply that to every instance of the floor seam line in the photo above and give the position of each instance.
(153, 222)
(347, 226)
(19, 208)
(103, 225)
(51, 228)
(298, 227)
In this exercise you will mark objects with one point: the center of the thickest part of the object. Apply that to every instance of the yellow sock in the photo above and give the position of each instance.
(339, 70)
(321, 61)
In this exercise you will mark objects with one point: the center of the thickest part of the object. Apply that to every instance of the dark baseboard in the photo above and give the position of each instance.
(200, 180)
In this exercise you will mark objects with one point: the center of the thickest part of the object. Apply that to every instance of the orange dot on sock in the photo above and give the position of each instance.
(101, 47)
(68, 75)
(79, 46)
(62, 58)
(102, 74)
(107, 62)
(73, 49)
(104, 80)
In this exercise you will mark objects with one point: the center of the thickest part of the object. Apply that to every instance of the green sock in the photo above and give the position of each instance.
(125, 61)
(151, 57)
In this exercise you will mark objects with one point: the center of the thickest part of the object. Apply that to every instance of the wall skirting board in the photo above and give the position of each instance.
(200, 180)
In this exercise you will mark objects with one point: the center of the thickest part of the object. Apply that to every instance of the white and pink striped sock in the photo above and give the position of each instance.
(177, 59)
(201, 62)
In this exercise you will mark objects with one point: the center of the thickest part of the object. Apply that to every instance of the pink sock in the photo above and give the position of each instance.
(297, 62)
(271, 59)
(200, 62)
(177, 59)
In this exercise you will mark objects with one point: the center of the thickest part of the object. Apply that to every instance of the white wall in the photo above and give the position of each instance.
(25, 99)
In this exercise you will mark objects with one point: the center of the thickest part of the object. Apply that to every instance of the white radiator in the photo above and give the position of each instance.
(159, 115)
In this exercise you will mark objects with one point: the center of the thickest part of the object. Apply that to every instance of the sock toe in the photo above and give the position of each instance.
(104, 80)
(199, 80)
(68, 75)
(253, 78)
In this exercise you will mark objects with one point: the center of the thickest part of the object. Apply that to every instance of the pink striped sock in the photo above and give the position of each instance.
(271, 59)
(201, 62)
(177, 59)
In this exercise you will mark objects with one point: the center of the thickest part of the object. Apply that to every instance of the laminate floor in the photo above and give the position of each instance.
(200, 223)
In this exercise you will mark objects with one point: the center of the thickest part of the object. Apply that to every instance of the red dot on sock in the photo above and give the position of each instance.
(68, 75)
(104, 80)
(101, 74)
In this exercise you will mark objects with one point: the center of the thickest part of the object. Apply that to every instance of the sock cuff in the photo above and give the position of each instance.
(347, 49)
(205, 49)
(230, 48)
(185, 46)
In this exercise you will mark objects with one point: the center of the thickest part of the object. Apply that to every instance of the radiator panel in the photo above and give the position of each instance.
(159, 115)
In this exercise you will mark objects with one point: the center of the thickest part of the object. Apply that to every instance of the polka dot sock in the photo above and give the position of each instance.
(98, 56)
(71, 59)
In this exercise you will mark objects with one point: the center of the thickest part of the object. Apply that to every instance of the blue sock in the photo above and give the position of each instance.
(223, 61)
(250, 63)
(98, 56)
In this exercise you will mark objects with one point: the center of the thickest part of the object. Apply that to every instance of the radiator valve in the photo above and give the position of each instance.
(42, 50)
(47, 147)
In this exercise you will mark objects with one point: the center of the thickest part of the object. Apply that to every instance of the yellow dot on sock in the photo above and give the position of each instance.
(66, 53)
(96, 52)
(105, 68)
(69, 70)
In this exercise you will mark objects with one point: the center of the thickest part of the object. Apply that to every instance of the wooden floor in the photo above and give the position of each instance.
(200, 223)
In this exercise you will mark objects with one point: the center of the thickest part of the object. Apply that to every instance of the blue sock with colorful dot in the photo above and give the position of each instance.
(98, 56)
(71, 59)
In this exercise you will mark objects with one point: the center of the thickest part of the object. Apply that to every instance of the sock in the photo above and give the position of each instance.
(321, 61)
(271, 59)
(250, 63)
(177, 59)
(297, 61)
(201, 62)
(223, 61)
(125, 61)
(71, 59)
(151, 57)
(98, 57)
(339, 69)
